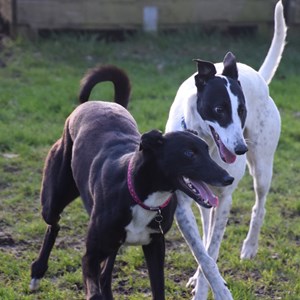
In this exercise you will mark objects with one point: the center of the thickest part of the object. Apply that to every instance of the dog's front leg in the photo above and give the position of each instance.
(91, 263)
(106, 276)
(216, 231)
(198, 280)
(155, 259)
(91, 276)
(188, 226)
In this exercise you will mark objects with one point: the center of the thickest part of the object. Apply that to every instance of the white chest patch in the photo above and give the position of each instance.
(137, 231)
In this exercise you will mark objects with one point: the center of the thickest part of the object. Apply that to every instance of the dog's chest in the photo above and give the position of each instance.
(137, 231)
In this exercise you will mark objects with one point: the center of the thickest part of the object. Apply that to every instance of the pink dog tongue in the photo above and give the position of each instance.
(206, 193)
(226, 155)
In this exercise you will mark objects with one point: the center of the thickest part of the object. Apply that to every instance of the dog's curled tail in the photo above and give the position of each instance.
(110, 73)
(272, 60)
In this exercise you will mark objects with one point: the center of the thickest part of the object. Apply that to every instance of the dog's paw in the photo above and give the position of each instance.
(191, 283)
(249, 250)
(201, 288)
(34, 284)
(193, 280)
(201, 291)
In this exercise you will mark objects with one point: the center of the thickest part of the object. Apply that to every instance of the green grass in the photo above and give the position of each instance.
(38, 89)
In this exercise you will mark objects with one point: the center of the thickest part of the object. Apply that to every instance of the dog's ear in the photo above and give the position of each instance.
(151, 140)
(206, 71)
(230, 67)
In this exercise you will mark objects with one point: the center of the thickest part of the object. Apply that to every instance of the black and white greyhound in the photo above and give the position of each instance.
(126, 181)
(229, 106)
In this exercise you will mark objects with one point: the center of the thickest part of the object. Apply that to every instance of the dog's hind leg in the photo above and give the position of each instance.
(262, 171)
(155, 257)
(262, 184)
(58, 190)
(260, 158)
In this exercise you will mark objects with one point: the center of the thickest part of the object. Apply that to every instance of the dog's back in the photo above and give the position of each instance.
(102, 120)
(98, 130)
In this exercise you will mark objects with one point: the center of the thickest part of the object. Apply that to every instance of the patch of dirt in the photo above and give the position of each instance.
(6, 239)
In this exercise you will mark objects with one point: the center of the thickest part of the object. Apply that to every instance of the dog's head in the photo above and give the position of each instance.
(221, 104)
(182, 162)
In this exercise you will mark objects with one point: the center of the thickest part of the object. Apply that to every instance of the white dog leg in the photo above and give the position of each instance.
(188, 226)
(262, 182)
(198, 280)
(201, 288)
(205, 220)
(218, 221)
(198, 276)
(218, 226)
(260, 162)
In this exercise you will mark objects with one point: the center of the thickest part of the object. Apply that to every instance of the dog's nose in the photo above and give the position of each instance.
(240, 149)
(228, 180)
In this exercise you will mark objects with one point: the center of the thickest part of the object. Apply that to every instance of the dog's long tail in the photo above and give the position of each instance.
(272, 60)
(111, 73)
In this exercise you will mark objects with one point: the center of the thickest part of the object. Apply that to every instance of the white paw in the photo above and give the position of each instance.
(34, 284)
(201, 292)
(249, 251)
(219, 289)
(193, 280)
(201, 287)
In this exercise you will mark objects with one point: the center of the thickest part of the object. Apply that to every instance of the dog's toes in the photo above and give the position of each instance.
(193, 280)
(34, 284)
(191, 283)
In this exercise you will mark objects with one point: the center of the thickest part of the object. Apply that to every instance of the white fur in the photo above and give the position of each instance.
(262, 130)
(138, 232)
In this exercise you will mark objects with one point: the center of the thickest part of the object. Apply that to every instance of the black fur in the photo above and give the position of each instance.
(230, 67)
(91, 160)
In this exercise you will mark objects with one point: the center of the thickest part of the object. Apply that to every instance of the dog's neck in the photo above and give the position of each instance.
(131, 187)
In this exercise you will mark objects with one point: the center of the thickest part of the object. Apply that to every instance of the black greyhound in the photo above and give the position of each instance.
(126, 182)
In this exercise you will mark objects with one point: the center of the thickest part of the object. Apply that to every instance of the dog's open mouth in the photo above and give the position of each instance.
(200, 192)
(225, 154)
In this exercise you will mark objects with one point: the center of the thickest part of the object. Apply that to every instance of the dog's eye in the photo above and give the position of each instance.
(219, 109)
(189, 153)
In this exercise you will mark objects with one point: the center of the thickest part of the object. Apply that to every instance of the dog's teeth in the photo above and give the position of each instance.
(186, 180)
(190, 185)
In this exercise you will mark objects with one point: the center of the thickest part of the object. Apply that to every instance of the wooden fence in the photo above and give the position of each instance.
(38, 15)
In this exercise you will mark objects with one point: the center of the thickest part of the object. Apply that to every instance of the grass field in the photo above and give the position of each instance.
(38, 89)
